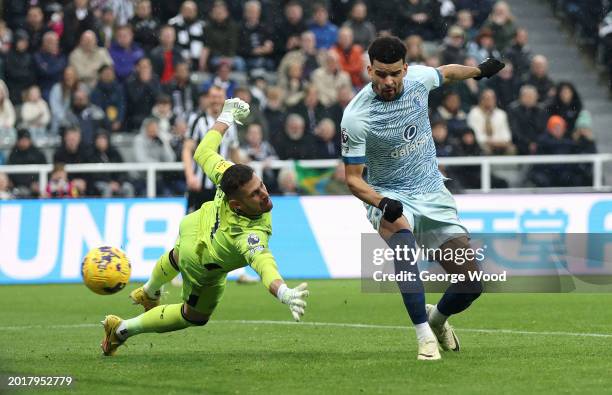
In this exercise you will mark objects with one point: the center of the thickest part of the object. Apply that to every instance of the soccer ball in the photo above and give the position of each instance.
(106, 270)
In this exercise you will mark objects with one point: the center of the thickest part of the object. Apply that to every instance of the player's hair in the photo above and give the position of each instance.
(234, 178)
(387, 50)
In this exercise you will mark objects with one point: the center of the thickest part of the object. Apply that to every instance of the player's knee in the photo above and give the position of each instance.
(194, 317)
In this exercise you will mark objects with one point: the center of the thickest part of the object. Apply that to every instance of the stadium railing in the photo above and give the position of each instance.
(485, 163)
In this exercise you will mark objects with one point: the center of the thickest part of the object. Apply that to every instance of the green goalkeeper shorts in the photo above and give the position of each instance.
(201, 291)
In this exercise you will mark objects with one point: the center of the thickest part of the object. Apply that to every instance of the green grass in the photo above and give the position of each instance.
(47, 330)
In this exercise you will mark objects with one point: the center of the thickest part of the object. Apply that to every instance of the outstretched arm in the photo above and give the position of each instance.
(457, 72)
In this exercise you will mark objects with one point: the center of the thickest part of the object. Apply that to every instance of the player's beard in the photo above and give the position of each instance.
(390, 94)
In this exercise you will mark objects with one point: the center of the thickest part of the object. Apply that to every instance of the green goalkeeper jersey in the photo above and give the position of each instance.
(224, 240)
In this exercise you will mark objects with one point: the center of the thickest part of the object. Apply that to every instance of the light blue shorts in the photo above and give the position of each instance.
(432, 216)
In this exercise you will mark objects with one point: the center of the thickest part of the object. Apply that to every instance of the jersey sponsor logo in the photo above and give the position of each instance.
(253, 239)
(408, 148)
(410, 132)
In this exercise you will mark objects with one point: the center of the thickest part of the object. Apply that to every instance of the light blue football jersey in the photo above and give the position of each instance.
(393, 138)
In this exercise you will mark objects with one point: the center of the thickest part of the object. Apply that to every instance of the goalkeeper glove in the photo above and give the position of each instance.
(489, 68)
(294, 298)
(234, 110)
(391, 209)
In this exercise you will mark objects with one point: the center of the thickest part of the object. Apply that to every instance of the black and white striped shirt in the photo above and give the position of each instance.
(199, 124)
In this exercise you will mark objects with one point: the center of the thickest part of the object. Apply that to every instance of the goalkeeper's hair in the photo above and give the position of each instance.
(234, 178)
(389, 49)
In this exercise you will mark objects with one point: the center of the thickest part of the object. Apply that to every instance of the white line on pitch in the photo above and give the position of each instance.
(331, 324)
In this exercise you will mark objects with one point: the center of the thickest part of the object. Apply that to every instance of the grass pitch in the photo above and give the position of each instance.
(511, 343)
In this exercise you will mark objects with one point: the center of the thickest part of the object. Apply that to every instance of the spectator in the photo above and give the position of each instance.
(34, 113)
(420, 17)
(222, 38)
(35, 27)
(384, 15)
(255, 40)
(145, 25)
(25, 153)
(177, 141)
(310, 109)
(287, 182)
(190, 34)
(307, 55)
(337, 183)
(167, 55)
(162, 112)
(506, 85)
(87, 58)
(452, 50)
(89, 117)
(293, 84)
(538, 77)
(107, 27)
(443, 144)
(566, 103)
(480, 9)
(527, 120)
(255, 116)
(585, 144)
(328, 79)
(350, 57)
(451, 113)
(258, 149)
(491, 126)
(274, 112)
(49, 62)
(19, 69)
(345, 95)
(14, 11)
(465, 21)
(605, 35)
(60, 98)
(141, 91)
(7, 114)
(468, 176)
(290, 29)
(519, 53)
(73, 151)
(327, 145)
(182, 91)
(554, 142)
(152, 146)
(364, 31)
(325, 32)
(108, 184)
(414, 50)
(483, 47)
(110, 97)
(295, 143)
(501, 24)
(60, 187)
(78, 18)
(6, 38)
(122, 9)
(6, 192)
(124, 52)
(222, 79)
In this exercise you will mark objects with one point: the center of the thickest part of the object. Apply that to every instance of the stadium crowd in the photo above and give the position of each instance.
(82, 72)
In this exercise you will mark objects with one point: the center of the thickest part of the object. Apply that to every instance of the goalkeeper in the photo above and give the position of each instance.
(228, 233)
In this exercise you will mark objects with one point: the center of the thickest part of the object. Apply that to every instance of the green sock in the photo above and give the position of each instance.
(163, 273)
(164, 318)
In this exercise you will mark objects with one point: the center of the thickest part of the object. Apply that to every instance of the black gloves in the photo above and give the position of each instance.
(489, 68)
(392, 209)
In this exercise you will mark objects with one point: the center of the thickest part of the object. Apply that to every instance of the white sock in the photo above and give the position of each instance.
(436, 318)
(122, 332)
(423, 332)
(151, 291)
